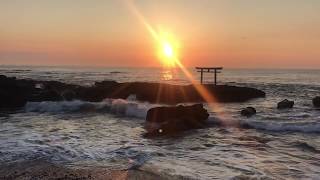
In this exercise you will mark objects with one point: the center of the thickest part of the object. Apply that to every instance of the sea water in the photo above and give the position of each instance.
(282, 144)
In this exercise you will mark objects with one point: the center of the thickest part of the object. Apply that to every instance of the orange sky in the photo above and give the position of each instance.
(229, 33)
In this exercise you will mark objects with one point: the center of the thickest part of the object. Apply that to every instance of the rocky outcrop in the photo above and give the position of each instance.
(248, 111)
(68, 95)
(14, 93)
(316, 101)
(285, 104)
(169, 94)
(171, 120)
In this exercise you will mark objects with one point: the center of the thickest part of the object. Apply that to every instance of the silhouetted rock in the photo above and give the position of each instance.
(248, 111)
(171, 120)
(167, 93)
(48, 95)
(316, 101)
(14, 93)
(285, 104)
(68, 95)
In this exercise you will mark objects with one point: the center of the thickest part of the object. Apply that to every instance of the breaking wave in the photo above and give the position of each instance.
(305, 127)
(131, 108)
(120, 107)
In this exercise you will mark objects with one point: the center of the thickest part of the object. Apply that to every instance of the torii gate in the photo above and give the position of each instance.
(208, 70)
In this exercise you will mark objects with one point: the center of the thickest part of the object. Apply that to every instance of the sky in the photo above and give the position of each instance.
(228, 33)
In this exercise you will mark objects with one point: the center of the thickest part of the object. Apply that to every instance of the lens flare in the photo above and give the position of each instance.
(168, 54)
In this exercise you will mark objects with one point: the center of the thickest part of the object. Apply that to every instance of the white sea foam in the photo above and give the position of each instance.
(306, 127)
(131, 108)
(114, 106)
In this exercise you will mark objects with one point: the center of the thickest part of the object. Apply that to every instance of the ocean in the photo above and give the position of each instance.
(282, 144)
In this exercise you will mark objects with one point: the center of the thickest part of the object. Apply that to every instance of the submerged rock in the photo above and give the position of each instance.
(316, 101)
(248, 111)
(171, 120)
(285, 104)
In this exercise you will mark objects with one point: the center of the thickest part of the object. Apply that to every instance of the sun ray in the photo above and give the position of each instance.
(167, 50)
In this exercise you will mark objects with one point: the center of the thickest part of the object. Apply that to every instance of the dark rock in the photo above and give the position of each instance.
(248, 111)
(68, 95)
(285, 104)
(171, 120)
(14, 93)
(316, 101)
(168, 94)
(47, 95)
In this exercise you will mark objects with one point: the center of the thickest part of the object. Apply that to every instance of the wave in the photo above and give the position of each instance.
(131, 108)
(305, 127)
(120, 107)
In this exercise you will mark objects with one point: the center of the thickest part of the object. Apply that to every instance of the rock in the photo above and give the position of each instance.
(248, 111)
(68, 95)
(48, 95)
(11, 99)
(316, 101)
(285, 104)
(14, 93)
(171, 120)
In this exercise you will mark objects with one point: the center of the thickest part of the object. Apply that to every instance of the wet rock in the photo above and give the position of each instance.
(14, 93)
(285, 104)
(167, 93)
(316, 101)
(47, 95)
(171, 120)
(68, 95)
(248, 111)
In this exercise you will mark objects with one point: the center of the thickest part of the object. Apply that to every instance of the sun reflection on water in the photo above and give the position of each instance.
(167, 74)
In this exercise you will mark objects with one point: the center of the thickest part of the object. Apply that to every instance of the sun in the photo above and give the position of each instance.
(168, 49)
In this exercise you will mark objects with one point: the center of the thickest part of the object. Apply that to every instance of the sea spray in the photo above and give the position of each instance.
(120, 107)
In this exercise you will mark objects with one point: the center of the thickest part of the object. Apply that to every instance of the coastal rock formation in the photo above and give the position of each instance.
(68, 95)
(316, 101)
(285, 104)
(167, 93)
(171, 120)
(14, 93)
(248, 111)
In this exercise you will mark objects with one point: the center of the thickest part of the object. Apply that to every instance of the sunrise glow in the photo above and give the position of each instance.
(168, 49)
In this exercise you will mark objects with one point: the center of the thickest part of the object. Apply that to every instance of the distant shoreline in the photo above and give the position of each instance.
(71, 66)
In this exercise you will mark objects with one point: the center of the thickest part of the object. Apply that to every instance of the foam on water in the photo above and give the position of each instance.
(305, 127)
(281, 144)
(114, 106)
(131, 108)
